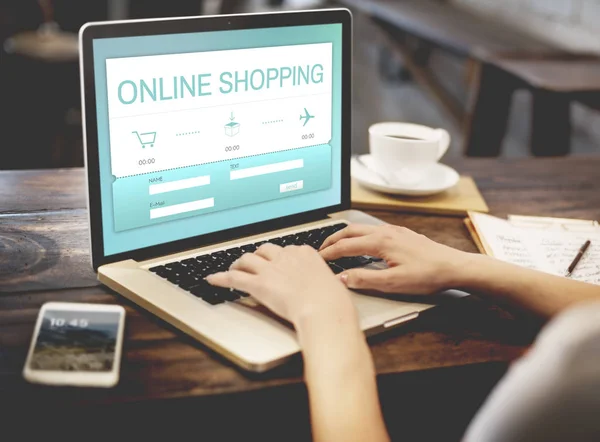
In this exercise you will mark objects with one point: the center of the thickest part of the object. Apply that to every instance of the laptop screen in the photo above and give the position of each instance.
(203, 132)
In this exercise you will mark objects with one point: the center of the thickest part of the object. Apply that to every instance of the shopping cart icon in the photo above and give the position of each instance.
(146, 139)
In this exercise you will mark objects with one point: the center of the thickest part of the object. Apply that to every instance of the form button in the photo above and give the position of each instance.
(290, 187)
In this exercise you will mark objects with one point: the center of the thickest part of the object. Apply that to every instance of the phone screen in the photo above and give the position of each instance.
(71, 340)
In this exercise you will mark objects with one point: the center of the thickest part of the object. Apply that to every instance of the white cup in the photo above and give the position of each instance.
(404, 152)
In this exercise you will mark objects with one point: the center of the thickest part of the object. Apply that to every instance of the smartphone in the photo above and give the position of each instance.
(76, 344)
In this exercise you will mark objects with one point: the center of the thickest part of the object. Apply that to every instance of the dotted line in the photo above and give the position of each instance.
(187, 133)
(222, 161)
(273, 121)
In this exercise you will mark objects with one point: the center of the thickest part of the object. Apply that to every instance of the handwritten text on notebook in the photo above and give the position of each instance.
(548, 250)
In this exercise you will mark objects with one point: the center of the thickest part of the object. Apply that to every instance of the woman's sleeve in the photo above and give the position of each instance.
(553, 393)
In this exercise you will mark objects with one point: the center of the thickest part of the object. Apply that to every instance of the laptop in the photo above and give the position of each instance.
(206, 137)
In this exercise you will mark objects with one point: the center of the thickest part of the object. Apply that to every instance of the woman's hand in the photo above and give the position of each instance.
(298, 285)
(294, 282)
(417, 265)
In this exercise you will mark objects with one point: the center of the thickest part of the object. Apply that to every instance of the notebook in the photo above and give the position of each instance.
(545, 244)
(458, 201)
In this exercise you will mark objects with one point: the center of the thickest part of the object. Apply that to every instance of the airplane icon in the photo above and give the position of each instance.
(306, 117)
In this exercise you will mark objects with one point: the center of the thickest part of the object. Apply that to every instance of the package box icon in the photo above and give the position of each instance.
(232, 129)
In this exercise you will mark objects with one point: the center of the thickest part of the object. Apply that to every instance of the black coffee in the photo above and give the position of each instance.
(404, 137)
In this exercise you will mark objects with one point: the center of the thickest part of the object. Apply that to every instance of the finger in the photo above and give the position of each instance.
(352, 231)
(365, 279)
(364, 245)
(269, 251)
(250, 263)
(234, 279)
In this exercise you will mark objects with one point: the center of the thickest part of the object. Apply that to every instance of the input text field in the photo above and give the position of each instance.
(188, 183)
(182, 208)
(266, 169)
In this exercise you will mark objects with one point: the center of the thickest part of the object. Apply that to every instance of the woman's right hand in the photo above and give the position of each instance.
(417, 265)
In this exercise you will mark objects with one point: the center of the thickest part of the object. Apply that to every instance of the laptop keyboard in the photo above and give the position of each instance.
(189, 273)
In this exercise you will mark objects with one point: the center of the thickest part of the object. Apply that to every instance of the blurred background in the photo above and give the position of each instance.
(506, 78)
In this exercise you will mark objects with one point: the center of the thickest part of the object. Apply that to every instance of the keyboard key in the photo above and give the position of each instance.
(363, 260)
(174, 267)
(249, 248)
(188, 283)
(240, 293)
(260, 243)
(203, 273)
(302, 237)
(174, 278)
(234, 253)
(276, 241)
(340, 226)
(221, 255)
(207, 292)
(200, 289)
(215, 260)
(352, 262)
(229, 295)
(213, 299)
(157, 269)
(212, 271)
(330, 230)
(163, 273)
(215, 294)
(336, 269)
(288, 240)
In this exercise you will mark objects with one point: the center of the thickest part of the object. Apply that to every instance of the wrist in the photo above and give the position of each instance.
(332, 343)
(464, 270)
(319, 327)
(334, 302)
(474, 272)
(323, 320)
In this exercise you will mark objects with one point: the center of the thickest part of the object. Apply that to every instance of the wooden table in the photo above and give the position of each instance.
(555, 82)
(438, 368)
(500, 60)
(411, 29)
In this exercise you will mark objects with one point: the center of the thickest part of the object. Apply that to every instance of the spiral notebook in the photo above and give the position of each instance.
(545, 244)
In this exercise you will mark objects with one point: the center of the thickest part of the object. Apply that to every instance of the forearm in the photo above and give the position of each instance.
(341, 382)
(535, 291)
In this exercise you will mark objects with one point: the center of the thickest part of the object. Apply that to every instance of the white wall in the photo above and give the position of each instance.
(573, 24)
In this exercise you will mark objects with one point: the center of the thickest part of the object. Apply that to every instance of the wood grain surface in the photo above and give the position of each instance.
(457, 201)
(556, 74)
(450, 27)
(160, 362)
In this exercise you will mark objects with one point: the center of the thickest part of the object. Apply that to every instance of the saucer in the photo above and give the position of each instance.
(439, 178)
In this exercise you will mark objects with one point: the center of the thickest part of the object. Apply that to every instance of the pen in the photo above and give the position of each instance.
(580, 254)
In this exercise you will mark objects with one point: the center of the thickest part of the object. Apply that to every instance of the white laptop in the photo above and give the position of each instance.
(206, 137)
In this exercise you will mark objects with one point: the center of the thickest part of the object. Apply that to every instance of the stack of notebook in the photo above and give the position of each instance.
(546, 244)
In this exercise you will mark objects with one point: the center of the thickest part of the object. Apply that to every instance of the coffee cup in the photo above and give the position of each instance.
(403, 153)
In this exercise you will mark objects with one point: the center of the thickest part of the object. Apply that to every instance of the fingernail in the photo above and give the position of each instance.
(344, 278)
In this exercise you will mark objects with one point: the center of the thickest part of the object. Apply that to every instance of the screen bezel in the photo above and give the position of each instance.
(134, 28)
(77, 378)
